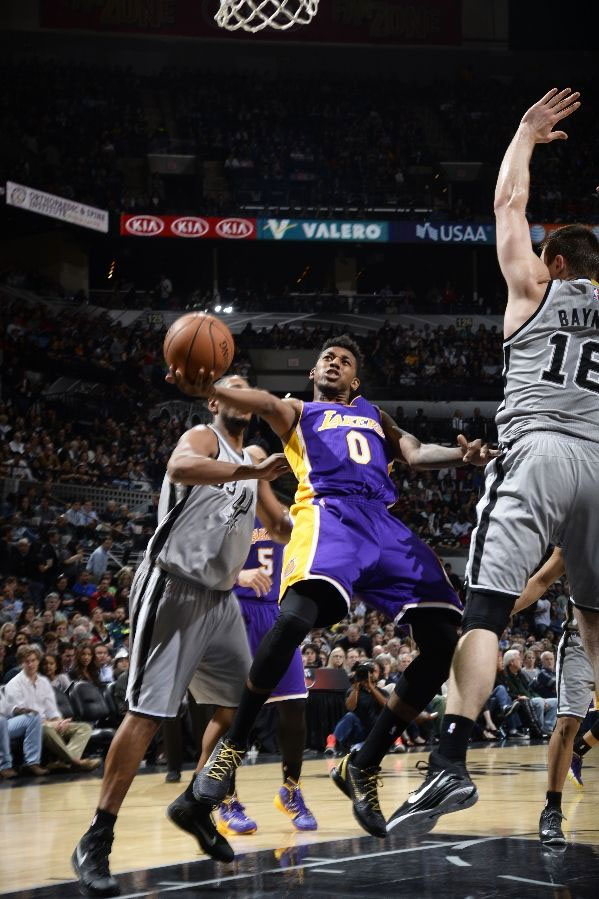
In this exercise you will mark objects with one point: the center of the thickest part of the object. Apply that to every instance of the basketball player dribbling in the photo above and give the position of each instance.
(344, 538)
(543, 488)
(575, 685)
(257, 590)
(186, 623)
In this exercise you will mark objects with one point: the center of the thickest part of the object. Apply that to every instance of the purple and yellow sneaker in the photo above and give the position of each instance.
(575, 771)
(289, 800)
(232, 819)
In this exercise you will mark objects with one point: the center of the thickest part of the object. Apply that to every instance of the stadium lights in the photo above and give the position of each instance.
(217, 308)
(228, 310)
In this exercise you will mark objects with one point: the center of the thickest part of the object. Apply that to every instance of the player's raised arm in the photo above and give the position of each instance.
(540, 582)
(526, 275)
(281, 415)
(423, 456)
(192, 462)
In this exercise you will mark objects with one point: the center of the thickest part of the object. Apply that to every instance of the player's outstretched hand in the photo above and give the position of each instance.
(255, 579)
(202, 386)
(551, 109)
(272, 467)
(475, 451)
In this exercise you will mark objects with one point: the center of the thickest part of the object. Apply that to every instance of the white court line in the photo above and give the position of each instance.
(328, 870)
(456, 860)
(538, 883)
(229, 878)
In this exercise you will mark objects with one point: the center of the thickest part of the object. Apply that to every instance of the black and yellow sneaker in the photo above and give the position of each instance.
(361, 786)
(195, 818)
(213, 783)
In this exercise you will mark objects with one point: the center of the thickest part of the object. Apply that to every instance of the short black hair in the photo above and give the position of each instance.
(578, 245)
(347, 343)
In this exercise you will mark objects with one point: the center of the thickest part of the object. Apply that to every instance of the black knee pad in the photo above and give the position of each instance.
(487, 612)
(273, 656)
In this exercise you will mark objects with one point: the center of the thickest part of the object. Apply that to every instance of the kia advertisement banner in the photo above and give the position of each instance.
(319, 230)
(190, 227)
(196, 227)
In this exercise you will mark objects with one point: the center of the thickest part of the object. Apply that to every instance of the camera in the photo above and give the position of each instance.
(361, 672)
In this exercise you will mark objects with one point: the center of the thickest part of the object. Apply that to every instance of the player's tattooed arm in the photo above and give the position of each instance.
(273, 515)
(425, 456)
(193, 462)
(539, 583)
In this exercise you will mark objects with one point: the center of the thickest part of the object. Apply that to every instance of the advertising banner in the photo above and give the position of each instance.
(188, 226)
(443, 232)
(56, 207)
(397, 22)
(320, 230)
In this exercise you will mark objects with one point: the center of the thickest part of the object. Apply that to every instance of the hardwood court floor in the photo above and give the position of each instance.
(41, 822)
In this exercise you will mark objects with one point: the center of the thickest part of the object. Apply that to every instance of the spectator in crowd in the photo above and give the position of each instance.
(545, 710)
(64, 739)
(542, 615)
(102, 663)
(310, 655)
(84, 667)
(20, 724)
(99, 631)
(355, 639)
(51, 668)
(97, 563)
(544, 684)
(363, 702)
(336, 658)
(529, 668)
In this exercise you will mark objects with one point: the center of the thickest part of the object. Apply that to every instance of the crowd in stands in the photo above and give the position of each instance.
(325, 143)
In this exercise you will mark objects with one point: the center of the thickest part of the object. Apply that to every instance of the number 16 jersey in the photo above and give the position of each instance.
(341, 450)
(551, 366)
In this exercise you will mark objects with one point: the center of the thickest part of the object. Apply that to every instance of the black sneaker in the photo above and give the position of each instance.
(360, 785)
(447, 788)
(550, 827)
(90, 863)
(213, 782)
(196, 818)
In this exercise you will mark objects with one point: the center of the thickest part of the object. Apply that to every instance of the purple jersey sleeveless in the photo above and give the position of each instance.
(346, 451)
(343, 532)
(265, 554)
(261, 612)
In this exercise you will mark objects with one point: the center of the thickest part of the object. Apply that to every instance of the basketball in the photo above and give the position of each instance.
(197, 340)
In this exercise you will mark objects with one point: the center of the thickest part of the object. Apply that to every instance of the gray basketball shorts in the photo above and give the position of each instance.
(184, 635)
(574, 677)
(543, 490)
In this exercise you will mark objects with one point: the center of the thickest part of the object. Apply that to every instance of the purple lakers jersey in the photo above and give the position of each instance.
(267, 555)
(338, 450)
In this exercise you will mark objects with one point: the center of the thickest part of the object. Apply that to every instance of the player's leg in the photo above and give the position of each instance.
(560, 754)
(435, 632)
(515, 525)
(169, 628)
(291, 734)
(574, 686)
(319, 544)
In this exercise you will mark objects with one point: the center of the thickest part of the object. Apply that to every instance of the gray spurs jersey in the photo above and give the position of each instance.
(551, 366)
(205, 532)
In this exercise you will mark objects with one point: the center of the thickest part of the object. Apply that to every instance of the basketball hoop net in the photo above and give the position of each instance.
(254, 15)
